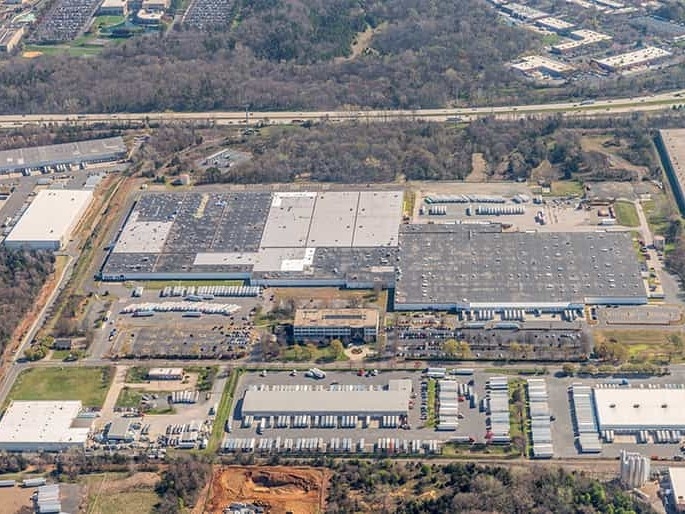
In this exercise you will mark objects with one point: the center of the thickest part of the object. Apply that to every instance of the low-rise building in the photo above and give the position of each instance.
(113, 8)
(580, 38)
(523, 12)
(156, 5)
(554, 24)
(642, 57)
(149, 18)
(539, 64)
(120, 431)
(350, 324)
(165, 374)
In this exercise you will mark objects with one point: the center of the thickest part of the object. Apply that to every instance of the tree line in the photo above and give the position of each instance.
(22, 275)
(468, 488)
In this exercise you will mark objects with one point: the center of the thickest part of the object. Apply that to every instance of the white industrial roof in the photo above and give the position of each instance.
(539, 62)
(276, 403)
(677, 476)
(165, 371)
(642, 56)
(36, 422)
(640, 409)
(51, 216)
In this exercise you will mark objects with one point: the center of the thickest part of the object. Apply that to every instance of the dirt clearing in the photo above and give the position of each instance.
(278, 489)
(14, 498)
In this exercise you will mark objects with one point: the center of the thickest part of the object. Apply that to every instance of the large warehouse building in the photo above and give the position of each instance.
(33, 426)
(50, 219)
(79, 152)
(479, 267)
(335, 238)
(356, 239)
(633, 410)
(353, 401)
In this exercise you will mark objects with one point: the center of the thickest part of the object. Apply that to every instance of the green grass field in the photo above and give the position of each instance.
(108, 21)
(567, 188)
(626, 214)
(644, 345)
(90, 385)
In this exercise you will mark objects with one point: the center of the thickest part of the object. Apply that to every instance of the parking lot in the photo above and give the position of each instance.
(65, 20)
(551, 214)
(643, 315)
(174, 334)
(207, 14)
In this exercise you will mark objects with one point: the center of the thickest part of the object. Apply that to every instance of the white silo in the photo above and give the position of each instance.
(634, 469)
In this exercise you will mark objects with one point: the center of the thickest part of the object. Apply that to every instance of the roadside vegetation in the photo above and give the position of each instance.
(223, 412)
(320, 353)
(425, 488)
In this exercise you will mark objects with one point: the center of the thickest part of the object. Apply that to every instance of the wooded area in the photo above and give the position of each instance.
(414, 150)
(425, 488)
(22, 275)
(282, 55)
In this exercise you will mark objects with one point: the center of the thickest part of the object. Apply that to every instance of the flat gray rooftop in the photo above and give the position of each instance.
(479, 264)
(289, 235)
(331, 403)
(67, 153)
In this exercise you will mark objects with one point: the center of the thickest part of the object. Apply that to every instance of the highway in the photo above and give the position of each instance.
(662, 101)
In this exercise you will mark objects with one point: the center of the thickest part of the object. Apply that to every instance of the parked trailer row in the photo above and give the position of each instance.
(235, 445)
(313, 421)
(210, 291)
(185, 396)
(464, 199)
(491, 210)
(299, 445)
(341, 445)
(390, 421)
(666, 436)
(395, 445)
(140, 309)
